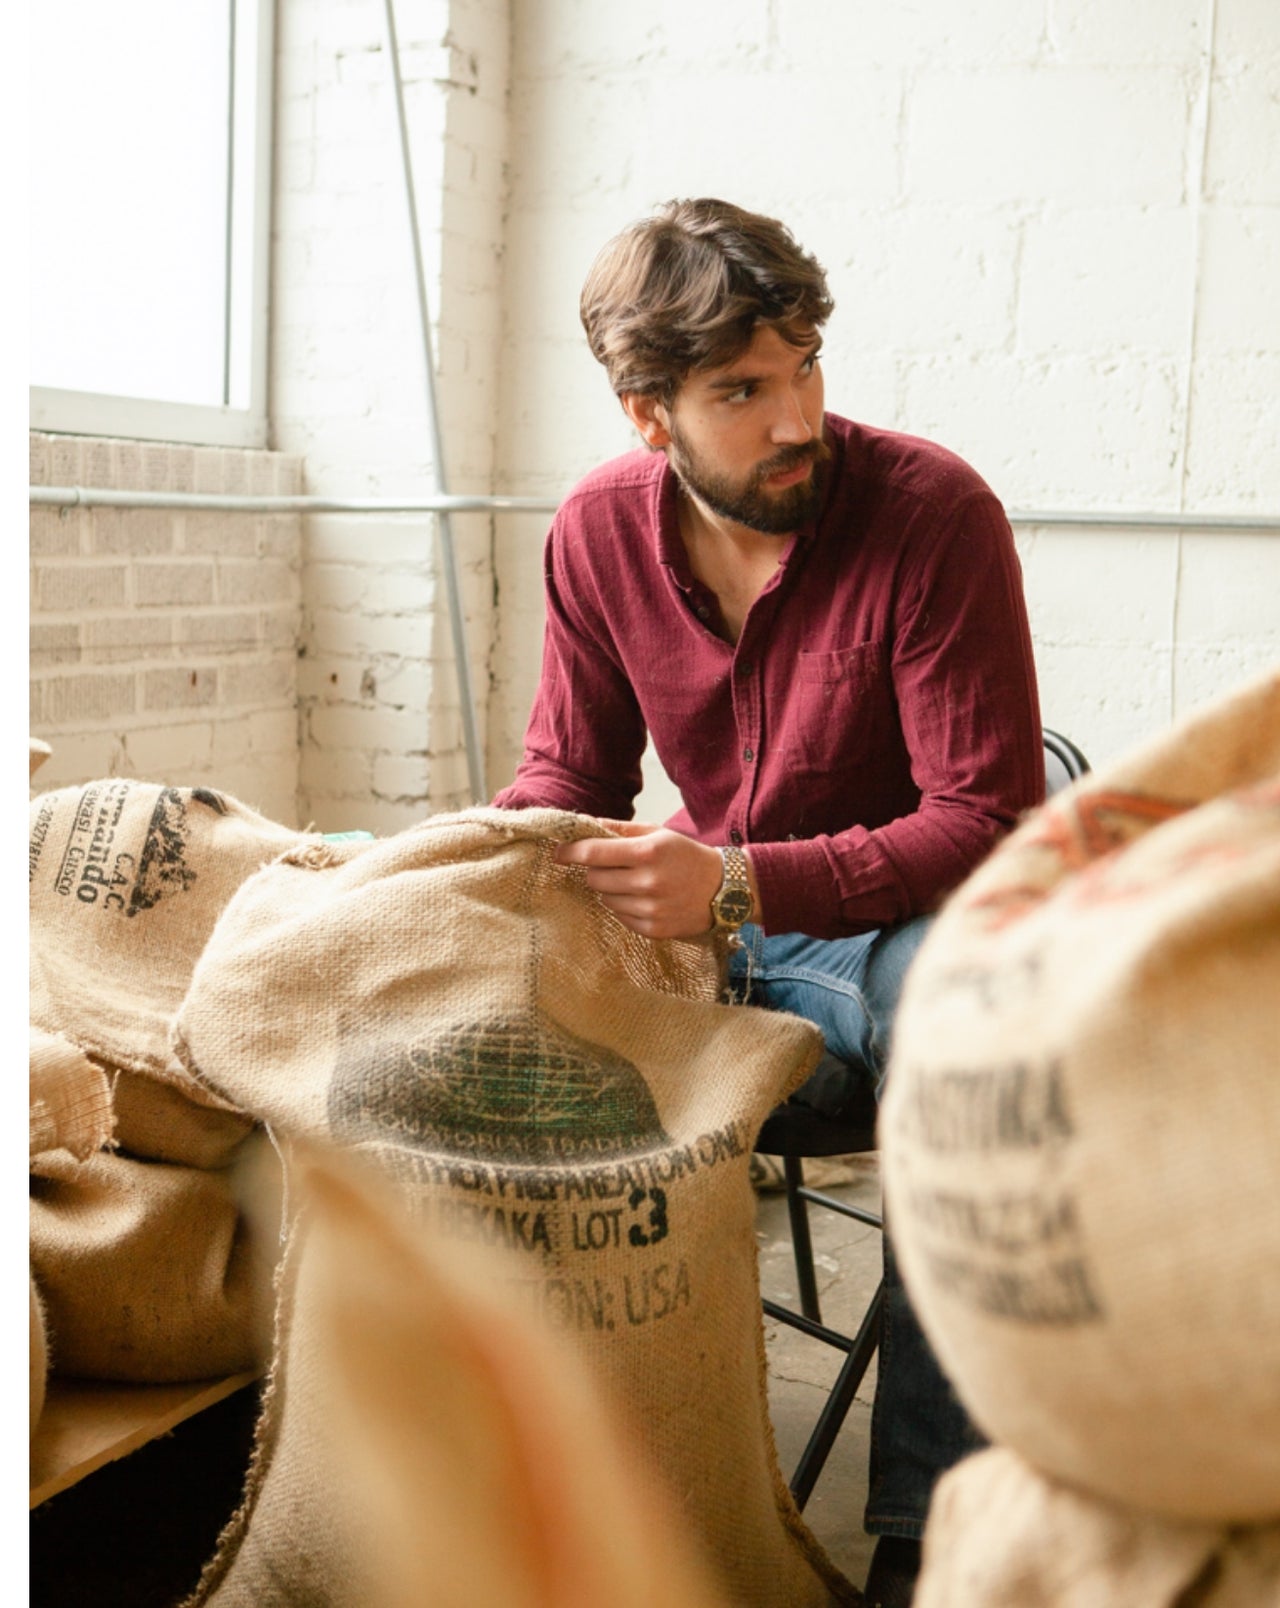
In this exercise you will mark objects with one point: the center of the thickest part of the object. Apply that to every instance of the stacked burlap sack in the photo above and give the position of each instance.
(70, 1107)
(527, 1076)
(1080, 1144)
(140, 1246)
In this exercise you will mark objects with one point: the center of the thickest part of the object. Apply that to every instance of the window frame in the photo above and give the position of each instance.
(66, 412)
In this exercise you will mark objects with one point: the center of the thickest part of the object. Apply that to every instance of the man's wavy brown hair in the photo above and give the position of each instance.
(686, 288)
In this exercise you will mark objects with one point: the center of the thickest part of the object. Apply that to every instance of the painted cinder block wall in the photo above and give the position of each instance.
(1053, 232)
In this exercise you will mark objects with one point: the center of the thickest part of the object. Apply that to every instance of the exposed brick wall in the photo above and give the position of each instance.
(164, 644)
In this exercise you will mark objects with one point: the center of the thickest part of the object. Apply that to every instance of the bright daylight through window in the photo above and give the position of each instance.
(149, 212)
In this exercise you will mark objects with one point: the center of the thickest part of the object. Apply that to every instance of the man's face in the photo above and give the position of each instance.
(746, 438)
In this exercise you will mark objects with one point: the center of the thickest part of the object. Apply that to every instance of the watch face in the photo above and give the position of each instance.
(733, 905)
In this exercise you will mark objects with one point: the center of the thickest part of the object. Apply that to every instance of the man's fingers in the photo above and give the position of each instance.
(642, 917)
(620, 880)
(655, 881)
(627, 907)
(598, 851)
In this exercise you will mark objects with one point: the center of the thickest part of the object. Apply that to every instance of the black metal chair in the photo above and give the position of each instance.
(838, 1118)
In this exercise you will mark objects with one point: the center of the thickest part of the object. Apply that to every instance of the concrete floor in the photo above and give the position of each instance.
(801, 1370)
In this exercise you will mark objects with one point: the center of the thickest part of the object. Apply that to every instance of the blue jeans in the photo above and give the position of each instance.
(850, 988)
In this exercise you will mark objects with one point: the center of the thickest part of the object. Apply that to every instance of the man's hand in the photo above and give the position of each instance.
(657, 882)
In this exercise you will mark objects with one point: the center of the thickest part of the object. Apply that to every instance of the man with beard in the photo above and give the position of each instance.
(821, 627)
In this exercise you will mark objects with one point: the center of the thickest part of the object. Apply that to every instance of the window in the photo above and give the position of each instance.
(150, 142)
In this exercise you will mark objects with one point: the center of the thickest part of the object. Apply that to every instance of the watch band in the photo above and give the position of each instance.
(735, 866)
(732, 904)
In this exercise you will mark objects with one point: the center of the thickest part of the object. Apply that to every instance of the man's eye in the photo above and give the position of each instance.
(810, 363)
(744, 393)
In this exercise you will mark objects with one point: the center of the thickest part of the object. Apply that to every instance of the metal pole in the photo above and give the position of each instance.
(1145, 520)
(233, 503)
(475, 764)
(107, 497)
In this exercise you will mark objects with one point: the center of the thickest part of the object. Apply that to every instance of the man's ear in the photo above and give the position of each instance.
(649, 417)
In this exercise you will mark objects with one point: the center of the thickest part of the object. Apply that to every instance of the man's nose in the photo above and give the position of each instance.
(790, 424)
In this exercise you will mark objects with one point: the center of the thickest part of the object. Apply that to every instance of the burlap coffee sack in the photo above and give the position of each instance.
(463, 1010)
(161, 1121)
(465, 1458)
(148, 1271)
(37, 1355)
(768, 1176)
(70, 1098)
(1080, 1132)
(1002, 1535)
(127, 880)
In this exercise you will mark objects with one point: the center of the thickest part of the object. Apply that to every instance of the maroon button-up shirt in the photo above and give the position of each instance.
(874, 730)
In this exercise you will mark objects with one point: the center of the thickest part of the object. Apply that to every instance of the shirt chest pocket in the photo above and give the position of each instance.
(843, 708)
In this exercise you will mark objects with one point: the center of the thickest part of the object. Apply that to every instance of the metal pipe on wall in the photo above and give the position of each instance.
(229, 503)
(1146, 520)
(443, 503)
(462, 658)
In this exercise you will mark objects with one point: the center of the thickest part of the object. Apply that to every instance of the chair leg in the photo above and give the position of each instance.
(836, 1410)
(801, 1242)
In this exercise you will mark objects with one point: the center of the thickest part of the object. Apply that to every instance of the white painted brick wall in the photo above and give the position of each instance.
(1053, 232)
(381, 727)
(1039, 257)
(164, 644)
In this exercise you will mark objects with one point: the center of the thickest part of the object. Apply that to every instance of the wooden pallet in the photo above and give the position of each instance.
(87, 1424)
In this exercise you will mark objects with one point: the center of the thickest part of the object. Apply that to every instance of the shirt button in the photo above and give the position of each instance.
(748, 754)
(745, 668)
(703, 611)
(735, 836)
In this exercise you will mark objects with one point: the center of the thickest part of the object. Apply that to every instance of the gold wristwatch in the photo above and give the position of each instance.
(733, 903)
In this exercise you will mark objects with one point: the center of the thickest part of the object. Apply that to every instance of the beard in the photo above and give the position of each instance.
(749, 501)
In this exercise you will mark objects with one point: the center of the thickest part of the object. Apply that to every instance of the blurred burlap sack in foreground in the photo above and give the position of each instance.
(1082, 1124)
(532, 1076)
(140, 1252)
(1002, 1535)
(464, 1454)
